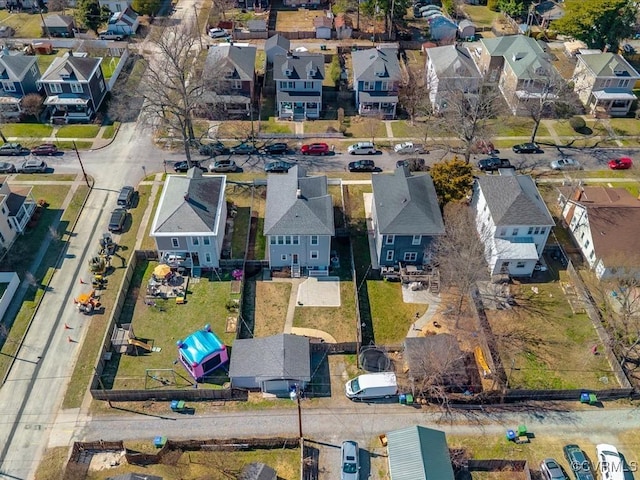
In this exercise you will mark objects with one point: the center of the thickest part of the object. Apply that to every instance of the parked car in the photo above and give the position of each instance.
(550, 470)
(578, 462)
(6, 167)
(278, 167)
(6, 31)
(609, 462)
(622, 163)
(116, 221)
(565, 163)
(414, 164)
(363, 166)
(350, 453)
(315, 149)
(111, 36)
(276, 148)
(362, 148)
(33, 165)
(212, 149)
(485, 147)
(218, 32)
(492, 164)
(125, 197)
(527, 148)
(183, 166)
(243, 149)
(409, 147)
(45, 149)
(221, 166)
(11, 149)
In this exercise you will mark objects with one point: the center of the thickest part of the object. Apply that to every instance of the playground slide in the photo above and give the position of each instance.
(138, 343)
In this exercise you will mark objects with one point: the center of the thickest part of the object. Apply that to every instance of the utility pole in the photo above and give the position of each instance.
(295, 394)
(86, 179)
(46, 29)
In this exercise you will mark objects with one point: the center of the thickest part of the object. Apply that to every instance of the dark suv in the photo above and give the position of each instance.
(126, 196)
(116, 222)
(492, 164)
(363, 166)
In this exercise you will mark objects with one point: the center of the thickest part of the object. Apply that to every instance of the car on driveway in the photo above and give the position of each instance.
(622, 163)
(6, 167)
(565, 163)
(243, 149)
(11, 149)
(45, 149)
(183, 166)
(363, 166)
(550, 470)
(609, 462)
(218, 33)
(33, 165)
(527, 148)
(222, 166)
(276, 149)
(350, 461)
(315, 149)
(278, 167)
(578, 462)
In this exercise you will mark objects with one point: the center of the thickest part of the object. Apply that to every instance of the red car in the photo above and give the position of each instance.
(622, 163)
(315, 149)
(45, 149)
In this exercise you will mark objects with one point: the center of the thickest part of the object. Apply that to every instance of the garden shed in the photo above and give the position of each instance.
(323, 26)
(418, 453)
(443, 30)
(466, 29)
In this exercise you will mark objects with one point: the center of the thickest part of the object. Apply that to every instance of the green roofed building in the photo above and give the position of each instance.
(418, 453)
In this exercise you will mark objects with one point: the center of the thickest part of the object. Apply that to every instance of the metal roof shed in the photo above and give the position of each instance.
(418, 453)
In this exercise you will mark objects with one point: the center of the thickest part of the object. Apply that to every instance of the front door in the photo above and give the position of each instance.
(294, 260)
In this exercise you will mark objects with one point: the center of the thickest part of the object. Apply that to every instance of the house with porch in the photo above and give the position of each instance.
(298, 78)
(230, 76)
(17, 205)
(405, 216)
(298, 223)
(190, 220)
(19, 75)
(75, 88)
(604, 83)
(512, 221)
(605, 224)
(376, 80)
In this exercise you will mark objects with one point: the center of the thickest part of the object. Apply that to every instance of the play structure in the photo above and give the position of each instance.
(202, 352)
(124, 341)
(87, 303)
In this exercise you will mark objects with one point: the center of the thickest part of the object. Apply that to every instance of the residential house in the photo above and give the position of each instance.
(547, 11)
(302, 3)
(115, 5)
(298, 222)
(276, 45)
(58, 26)
(258, 471)
(16, 209)
(272, 364)
(323, 26)
(298, 78)
(513, 222)
(520, 67)
(19, 75)
(604, 83)
(418, 453)
(344, 26)
(376, 80)
(124, 22)
(442, 29)
(189, 224)
(75, 88)
(405, 217)
(450, 70)
(605, 224)
(229, 72)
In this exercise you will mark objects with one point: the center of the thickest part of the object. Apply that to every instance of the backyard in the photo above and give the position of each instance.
(272, 300)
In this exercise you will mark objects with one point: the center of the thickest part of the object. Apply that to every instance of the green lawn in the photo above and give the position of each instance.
(241, 198)
(625, 126)
(110, 130)
(563, 129)
(78, 131)
(69, 145)
(480, 15)
(27, 130)
(109, 65)
(321, 126)
(515, 127)
(50, 177)
(271, 125)
(363, 127)
(26, 25)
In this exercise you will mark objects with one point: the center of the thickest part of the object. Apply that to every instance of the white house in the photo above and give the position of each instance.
(513, 222)
(125, 22)
(115, 5)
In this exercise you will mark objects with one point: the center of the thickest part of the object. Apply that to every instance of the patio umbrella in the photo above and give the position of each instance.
(162, 270)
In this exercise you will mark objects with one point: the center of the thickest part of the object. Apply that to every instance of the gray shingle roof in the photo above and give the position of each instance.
(281, 356)
(300, 65)
(298, 96)
(279, 40)
(607, 64)
(376, 64)
(419, 453)
(190, 204)
(452, 61)
(406, 205)
(58, 20)
(15, 67)
(286, 214)
(514, 200)
(71, 68)
(258, 471)
(524, 55)
(239, 60)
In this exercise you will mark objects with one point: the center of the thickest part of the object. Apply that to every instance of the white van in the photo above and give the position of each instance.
(372, 385)
(362, 148)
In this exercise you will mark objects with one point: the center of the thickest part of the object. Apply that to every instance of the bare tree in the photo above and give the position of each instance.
(57, 5)
(414, 95)
(371, 123)
(32, 105)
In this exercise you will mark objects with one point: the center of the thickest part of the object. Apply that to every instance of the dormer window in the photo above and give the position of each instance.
(9, 86)
(76, 87)
(65, 72)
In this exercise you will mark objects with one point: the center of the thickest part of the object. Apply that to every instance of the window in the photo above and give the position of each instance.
(280, 240)
(55, 87)
(312, 105)
(206, 241)
(586, 244)
(410, 256)
(515, 232)
(76, 87)
(368, 86)
(582, 236)
(313, 240)
(530, 232)
(175, 243)
(520, 265)
(287, 85)
(389, 255)
(99, 72)
(3, 210)
(536, 231)
(10, 226)
(272, 240)
(384, 86)
(313, 254)
(195, 241)
(101, 85)
(389, 239)
(296, 240)
(9, 86)
(34, 70)
(287, 240)
(207, 257)
(308, 85)
(503, 232)
(592, 254)
(543, 230)
(416, 240)
(283, 257)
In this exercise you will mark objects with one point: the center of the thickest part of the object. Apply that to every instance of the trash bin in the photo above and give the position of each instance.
(323, 47)
(403, 399)
(409, 399)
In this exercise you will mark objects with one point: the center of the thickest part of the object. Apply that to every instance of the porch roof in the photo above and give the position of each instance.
(520, 248)
(9, 100)
(310, 96)
(65, 100)
(376, 97)
(613, 95)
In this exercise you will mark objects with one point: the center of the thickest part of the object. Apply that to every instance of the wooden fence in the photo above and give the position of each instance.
(500, 465)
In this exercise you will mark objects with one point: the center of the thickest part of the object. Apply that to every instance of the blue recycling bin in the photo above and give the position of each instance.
(511, 435)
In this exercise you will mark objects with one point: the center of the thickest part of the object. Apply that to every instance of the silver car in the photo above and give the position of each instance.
(551, 470)
(350, 469)
(565, 163)
(33, 165)
(222, 166)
